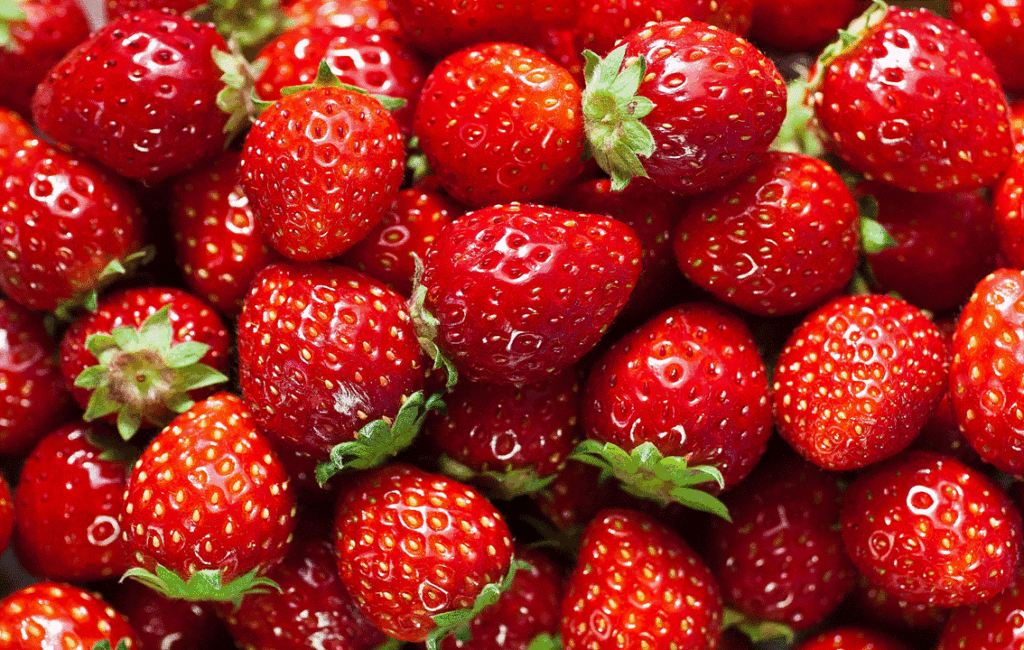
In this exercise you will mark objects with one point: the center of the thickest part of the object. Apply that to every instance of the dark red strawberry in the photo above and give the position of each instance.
(6, 514)
(801, 25)
(418, 552)
(500, 122)
(878, 608)
(121, 8)
(516, 293)
(929, 529)
(857, 380)
(850, 638)
(70, 496)
(208, 507)
(778, 240)
(55, 616)
(639, 583)
(699, 106)
(164, 623)
(931, 115)
(998, 27)
(144, 356)
(1008, 207)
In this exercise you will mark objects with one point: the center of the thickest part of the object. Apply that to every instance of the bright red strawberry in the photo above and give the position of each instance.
(992, 625)
(33, 41)
(516, 293)
(639, 583)
(372, 14)
(33, 400)
(931, 115)
(801, 25)
(984, 384)
(55, 616)
(323, 351)
(208, 507)
(344, 157)
(998, 27)
(929, 529)
(140, 96)
(219, 246)
(144, 356)
(6, 514)
(500, 122)
(778, 240)
(850, 638)
(699, 106)
(412, 546)
(67, 227)
(70, 495)
(857, 380)
(164, 623)
(14, 131)
(1008, 207)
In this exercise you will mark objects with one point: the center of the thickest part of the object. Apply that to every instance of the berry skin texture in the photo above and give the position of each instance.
(500, 122)
(411, 545)
(638, 583)
(992, 625)
(345, 159)
(56, 616)
(857, 380)
(6, 514)
(930, 113)
(1008, 205)
(850, 638)
(929, 529)
(984, 376)
(801, 25)
(164, 623)
(998, 27)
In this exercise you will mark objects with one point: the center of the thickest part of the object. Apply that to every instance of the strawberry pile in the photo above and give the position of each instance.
(469, 325)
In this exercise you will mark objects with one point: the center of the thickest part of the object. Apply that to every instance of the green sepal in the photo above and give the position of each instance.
(456, 622)
(391, 644)
(874, 238)
(796, 134)
(758, 631)
(426, 327)
(10, 12)
(502, 485)
(238, 96)
(545, 641)
(612, 111)
(325, 78)
(88, 300)
(381, 439)
(250, 22)
(647, 473)
(205, 585)
(848, 38)
(104, 644)
(417, 167)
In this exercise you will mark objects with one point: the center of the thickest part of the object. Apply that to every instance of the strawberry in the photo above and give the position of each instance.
(69, 498)
(372, 14)
(927, 528)
(144, 356)
(777, 240)
(167, 624)
(418, 552)
(931, 115)
(347, 151)
(33, 38)
(638, 583)
(801, 25)
(1008, 208)
(33, 400)
(850, 638)
(998, 27)
(857, 380)
(700, 105)
(140, 96)
(51, 615)
(500, 122)
(208, 507)
(6, 514)
(219, 246)
(991, 625)
(249, 24)
(515, 293)
(875, 606)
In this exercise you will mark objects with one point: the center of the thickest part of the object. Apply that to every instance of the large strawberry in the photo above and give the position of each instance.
(52, 616)
(930, 112)
(208, 507)
(515, 293)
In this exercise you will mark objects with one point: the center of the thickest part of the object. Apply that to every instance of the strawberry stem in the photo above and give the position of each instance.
(205, 585)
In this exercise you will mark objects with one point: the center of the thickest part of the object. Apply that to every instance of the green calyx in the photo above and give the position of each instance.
(758, 631)
(142, 375)
(545, 641)
(612, 113)
(105, 644)
(457, 622)
(426, 327)
(238, 96)
(10, 12)
(381, 439)
(647, 473)
(116, 268)
(205, 585)
(848, 38)
(796, 134)
(502, 485)
(250, 22)
(874, 238)
(325, 78)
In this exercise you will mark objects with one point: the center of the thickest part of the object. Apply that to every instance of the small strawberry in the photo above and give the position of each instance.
(927, 528)
(208, 507)
(857, 380)
(419, 553)
(850, 638)
(516, 293)
(998, 27)
(639, 584)
(801, 25)
(167, 624)
(52, 616)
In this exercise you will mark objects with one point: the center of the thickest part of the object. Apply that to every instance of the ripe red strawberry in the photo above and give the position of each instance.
(70, 495)
(699, 104)
(372, 14)
(500, 122)
(516, 293)
(52, 616)
(167, 624)
(14, 131)
(931, 114)
(1008, 207)
(417, 550)
(850, 638)
(927, 528)
(144, 356)
(33, 400)
(208, 507)
(638, 583)
(991, 625)
(219, 246)
(121, 8)
(857, 380)
(344, 157)
(6, 514)
(323, 351)
(32, 40)
(998, 27)
(801, 25)
(983, 376)
(778, 240)
(140, 96)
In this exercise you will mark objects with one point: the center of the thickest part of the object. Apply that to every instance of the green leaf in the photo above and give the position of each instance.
(128, 423)
(874, 237)
(501, 485)
(91, 377)
(100, 404)
(426, 325)
(457, 621)
(757, 631)
(10, 12)
(156, 331)
(238, 96)
(87, 299)
(545, 641)
(206, 585)
(186, 354)
(849, 38)
(250, 22)
(325, 78)
(105, 644)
